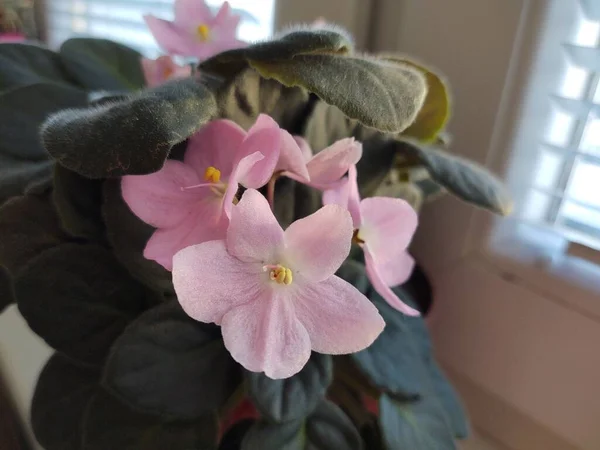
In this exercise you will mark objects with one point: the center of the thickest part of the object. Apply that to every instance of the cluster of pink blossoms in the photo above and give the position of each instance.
(273, 292)
(194, 33)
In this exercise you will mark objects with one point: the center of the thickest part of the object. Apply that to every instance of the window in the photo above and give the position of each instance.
(121, 20)
(555, 174)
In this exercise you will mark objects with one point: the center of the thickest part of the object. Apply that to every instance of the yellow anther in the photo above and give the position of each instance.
(281, 275)
(203, 32)
(212, 174)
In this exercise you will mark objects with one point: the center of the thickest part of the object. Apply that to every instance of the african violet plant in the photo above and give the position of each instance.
(198, 254)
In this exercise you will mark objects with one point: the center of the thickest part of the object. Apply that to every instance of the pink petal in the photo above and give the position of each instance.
(157, 198)
(388, 227)
(264, 137)
(157, 71)
(209, 282)
(330, 164)
(170, 37)
(216, 144)
(317, 245)
(346, 195)
(304, 147)
(383, 289)
(192, 13)
(265, 336)
(254, 233)
(243, 167)
(292, 160)
(338, 318)
(206, 223)
(226, 19)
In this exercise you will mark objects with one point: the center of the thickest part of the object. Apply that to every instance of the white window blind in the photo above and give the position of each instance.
(121, 20)
(557, 173)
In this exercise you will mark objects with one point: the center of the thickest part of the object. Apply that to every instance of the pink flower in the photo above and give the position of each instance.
(195, 32)
(274, 293)
(189, 202)
(384, 229)
(157, 71)
(324, 170)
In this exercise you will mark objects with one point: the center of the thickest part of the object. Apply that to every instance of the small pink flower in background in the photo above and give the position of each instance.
(189, 202)
(384, 229)
(325, 169)
(195, 32)
(157, 71)
(274, 293)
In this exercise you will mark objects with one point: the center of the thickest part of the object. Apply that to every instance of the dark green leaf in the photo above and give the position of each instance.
(22, 64)
(22, 111)
(371, 434)
(131, 137)
(28, 226)
(295, 397)
(287, 46)
(414, 425)
(232, 439)
(78, 299)
(307, 201)
(378, 94)
(275, 436)
(465, 179)
(102, 64)
(329, 428)
(167, 364)
(109, 424)
(7, 295)
(450, 401)
(78, 201)
(61, 396)
(128, 236)
(375, 165)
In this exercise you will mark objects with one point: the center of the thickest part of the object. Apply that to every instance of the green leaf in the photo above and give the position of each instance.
(28, 226)
(7, 295)
(61, 396)
(465, 179)
(131, 137)
(102, 64)
(450, 401)
(167, 364)
(128, 236)
(78, 299)
(78, 202)
(375, 166)
(287, 46)
(378, 94)
(295, 397)
(109, 424)
(233, 437)
(22, 64)
(23, 159)
(325, 429)
(414, 425)
(434, 114)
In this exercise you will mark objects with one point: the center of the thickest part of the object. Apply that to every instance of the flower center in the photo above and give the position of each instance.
(168, 73)
(212, 174)
(203, 32)
(279, 274)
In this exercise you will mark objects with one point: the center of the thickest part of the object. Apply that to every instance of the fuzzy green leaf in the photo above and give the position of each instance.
(374, 167)
(295, 397)
(102, 64)
(131, 137)
(22, 64)
(326, 428)
(78, 299)
(128, 236)
(109, 424)
(167, 364)
(78, 202)
(465, 179)
(28, 226)
(450, 401)
(414, 425)
(61, 396)
(23, 159)
(7, 295)
(378, 94)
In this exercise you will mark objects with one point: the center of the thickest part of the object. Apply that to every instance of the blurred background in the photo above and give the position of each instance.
(516, 314)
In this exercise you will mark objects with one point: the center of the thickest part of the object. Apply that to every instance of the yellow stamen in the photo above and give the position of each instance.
(212, 174)
(281, 275)
(203, 32)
